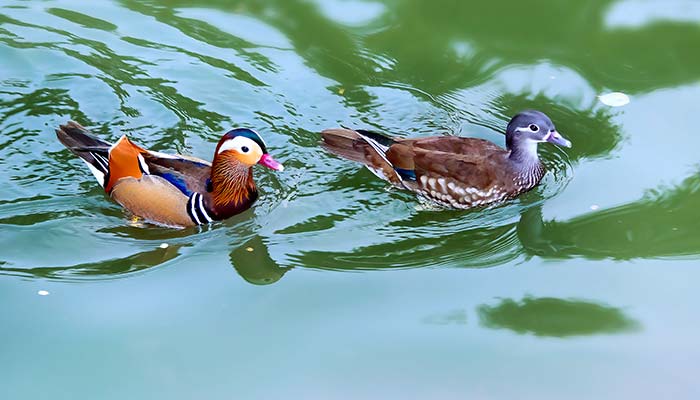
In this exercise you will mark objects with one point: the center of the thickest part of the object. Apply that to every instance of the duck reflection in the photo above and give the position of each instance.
(553, 317)
(107, 269)
(253, 263)
(664, 223)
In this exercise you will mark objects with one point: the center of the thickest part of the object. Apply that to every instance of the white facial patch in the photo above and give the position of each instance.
(241, 144)
(531, 147)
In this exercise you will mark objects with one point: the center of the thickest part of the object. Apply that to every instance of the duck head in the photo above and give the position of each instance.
(231, 184)
(247, 147)
(529, 128)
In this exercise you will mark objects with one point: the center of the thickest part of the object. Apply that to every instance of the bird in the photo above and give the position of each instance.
(450, 171)
(174, 190)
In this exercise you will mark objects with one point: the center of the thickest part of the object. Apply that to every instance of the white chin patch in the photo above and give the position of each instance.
(531, 146)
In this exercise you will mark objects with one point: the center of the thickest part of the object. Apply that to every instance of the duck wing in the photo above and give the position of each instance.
(454, 145)
(454, 171)
(188, 174)
(468, 160)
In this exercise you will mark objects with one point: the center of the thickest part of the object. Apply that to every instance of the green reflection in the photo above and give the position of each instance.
(664, 223)
(549, 316)
(425, 42)
(82, 19)
(253, 263)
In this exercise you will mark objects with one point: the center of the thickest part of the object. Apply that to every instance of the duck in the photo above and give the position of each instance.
(174, 190)
(450, 171)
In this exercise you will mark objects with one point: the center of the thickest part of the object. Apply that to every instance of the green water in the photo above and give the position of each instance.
(584, 288)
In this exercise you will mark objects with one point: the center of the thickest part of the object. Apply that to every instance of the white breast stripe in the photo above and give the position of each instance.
(193, 213)
(200, 204)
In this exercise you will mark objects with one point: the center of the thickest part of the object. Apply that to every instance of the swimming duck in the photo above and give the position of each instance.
(454, 171)
(174, 190)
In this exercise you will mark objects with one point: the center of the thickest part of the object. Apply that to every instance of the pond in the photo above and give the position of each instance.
(334, 285)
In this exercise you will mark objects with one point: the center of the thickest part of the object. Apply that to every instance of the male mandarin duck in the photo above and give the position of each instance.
(454, 171)
(174, 190)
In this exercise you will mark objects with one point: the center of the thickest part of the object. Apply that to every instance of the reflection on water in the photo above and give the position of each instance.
(253, 263)
(109, 269)
(548, 316)
(664, 223)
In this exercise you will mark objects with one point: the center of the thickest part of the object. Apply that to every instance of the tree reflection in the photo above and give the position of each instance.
(548, 316)
(427, 40)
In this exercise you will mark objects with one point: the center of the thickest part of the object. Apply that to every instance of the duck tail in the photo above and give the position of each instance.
(366, 147)
(353, 144)
(91, 149)
(344, 143)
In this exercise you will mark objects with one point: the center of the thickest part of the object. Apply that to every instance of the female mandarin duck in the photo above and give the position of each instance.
(454, 171)
(174, 190)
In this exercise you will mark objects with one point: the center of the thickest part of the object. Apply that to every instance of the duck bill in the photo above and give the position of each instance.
(556, 138)
(270, 162)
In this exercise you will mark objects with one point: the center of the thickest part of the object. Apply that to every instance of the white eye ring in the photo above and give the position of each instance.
(534, 127)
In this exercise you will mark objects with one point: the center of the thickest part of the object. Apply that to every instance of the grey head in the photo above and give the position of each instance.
(529, 128)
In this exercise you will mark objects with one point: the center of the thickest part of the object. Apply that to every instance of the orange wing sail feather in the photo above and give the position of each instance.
(125, 160)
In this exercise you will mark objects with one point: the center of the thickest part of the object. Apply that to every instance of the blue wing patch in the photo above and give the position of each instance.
(178, 182)
(406, 174)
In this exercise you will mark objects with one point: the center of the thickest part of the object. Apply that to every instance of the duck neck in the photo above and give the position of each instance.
(524, 159)
(523, 151)
(232, 186)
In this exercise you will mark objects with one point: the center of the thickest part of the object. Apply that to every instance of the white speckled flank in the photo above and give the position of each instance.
(431, 182)
(443, 185)
(449, 193)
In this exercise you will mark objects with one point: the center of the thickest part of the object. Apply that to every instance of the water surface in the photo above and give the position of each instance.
(334, 285)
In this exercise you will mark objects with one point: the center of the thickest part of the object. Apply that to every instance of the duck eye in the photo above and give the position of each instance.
(534, 128)
(245, 149)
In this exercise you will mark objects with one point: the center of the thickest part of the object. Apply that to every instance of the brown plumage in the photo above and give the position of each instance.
(453, 171)
(174, 190)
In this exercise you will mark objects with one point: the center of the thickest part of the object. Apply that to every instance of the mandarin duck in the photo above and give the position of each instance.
(174, 190)
(453, 171)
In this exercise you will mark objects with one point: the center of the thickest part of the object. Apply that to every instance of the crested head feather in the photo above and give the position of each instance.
(244, 132)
